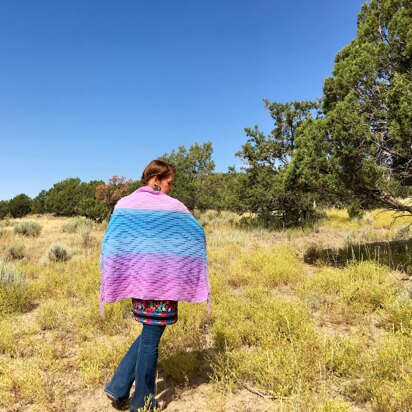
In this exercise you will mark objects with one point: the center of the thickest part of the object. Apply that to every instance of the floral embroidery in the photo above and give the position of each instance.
(155, 312)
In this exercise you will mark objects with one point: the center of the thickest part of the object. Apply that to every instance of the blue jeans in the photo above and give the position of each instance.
(139, 365)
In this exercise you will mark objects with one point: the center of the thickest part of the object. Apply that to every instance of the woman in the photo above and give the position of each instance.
(153, 251)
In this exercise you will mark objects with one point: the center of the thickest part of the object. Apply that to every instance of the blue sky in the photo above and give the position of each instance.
(93, 89)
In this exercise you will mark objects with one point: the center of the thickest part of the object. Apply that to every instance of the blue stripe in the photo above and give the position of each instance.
(134, 231)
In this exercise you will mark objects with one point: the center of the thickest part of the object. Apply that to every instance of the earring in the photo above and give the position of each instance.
(156, 188)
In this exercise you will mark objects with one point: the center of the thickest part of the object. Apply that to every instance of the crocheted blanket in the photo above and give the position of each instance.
(153, 248)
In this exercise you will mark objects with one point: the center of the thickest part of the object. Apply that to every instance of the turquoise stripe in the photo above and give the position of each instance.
(163, 232)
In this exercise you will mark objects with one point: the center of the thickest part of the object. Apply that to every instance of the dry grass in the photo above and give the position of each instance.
(315, 339)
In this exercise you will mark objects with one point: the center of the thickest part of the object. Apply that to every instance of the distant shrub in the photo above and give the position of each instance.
(10, 276)
(5, 222)
(85, 237)
(314, 253)
(16, 251)
(249, 222)
(57, 253)
(28, 228)
(76, 224)
(214, 218)
(14, 290)
(355, 211)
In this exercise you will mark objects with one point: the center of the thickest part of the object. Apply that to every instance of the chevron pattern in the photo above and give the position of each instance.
(153, 248)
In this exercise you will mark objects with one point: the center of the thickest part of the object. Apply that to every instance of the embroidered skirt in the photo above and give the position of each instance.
(155, 312)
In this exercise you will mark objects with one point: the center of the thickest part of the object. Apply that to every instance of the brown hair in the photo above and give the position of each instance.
(157, 168)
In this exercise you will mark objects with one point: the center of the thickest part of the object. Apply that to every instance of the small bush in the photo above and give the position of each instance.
(355, 211)
(2, 231)
(10, 276)
(215, 218)
(16, 251)
(86, 239)
(315, 253)
(57, 253)
(28, 228)
(14, 290)
(76, 223)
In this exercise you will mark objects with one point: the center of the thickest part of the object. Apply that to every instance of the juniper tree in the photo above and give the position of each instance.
(368, 105)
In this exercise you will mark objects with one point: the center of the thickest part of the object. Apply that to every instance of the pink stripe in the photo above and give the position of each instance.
(154, 277)
(143, 198)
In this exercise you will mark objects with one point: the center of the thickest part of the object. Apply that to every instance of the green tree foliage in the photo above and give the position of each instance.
(193, 168)
(20, 205)
(267, 158)
(39, 202)
(368, 105)
(221, 191)
(358, 151)
(73, 197)
(89, 205)
(309, 179)
(4, 208)
(64, 197)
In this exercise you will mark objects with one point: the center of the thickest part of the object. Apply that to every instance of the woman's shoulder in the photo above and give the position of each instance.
(151, 201)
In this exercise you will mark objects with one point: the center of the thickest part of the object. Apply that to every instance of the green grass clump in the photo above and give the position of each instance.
(28, 228)
(343, 356)
(333, 405)
(2, 231)
(398, 315)
(14, 289)
(15, 251)
(273, 267)
(25, 380)
(349, 293)
(268, 341)
(387, 379)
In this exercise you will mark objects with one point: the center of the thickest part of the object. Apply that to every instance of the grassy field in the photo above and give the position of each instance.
(295, 337)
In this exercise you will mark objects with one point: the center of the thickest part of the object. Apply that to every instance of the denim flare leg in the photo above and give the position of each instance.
(139, 365)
